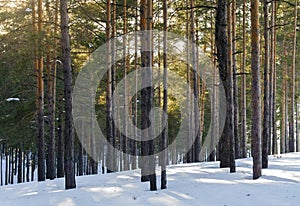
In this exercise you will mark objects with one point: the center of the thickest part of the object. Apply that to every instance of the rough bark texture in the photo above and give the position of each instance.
(60, 142)
(69, 128)
(293, 72)
(39, 66)
(189, 154)
(165, 102)
(274, 80)
(226, 144)
(266, 118)
(256, 98)
(196, 118)
(109, 132)
(237, 146)
(144, 92)
(284, 103)
(244, 97)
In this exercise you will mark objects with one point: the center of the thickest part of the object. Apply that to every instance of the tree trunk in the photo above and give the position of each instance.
(256, 99)
(6, 166)
(80, 159)
(1, 162)
(273, 66)
(33, 166)
(69, 129)
(40, 96)
(196, 119)
(244, 85)
(135, 105)
(165, 101)
(19, 166)
(266, 118)
(226, 144)
(125, 63)
(189, 154)
(60, 142)
(293, 79)
(109, 127)
(144, 93)
(237, 147)
(51, 74)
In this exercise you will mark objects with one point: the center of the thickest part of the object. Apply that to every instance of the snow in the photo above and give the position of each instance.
(12, 99)
(199, 184)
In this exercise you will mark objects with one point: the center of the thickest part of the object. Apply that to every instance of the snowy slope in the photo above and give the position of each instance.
(190, 184)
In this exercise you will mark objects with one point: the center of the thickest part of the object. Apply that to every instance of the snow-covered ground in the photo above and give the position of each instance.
(189, 184)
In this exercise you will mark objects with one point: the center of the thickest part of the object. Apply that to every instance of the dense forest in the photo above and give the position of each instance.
(227, 90)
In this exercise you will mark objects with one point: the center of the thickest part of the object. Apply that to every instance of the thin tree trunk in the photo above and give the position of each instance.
(244, 85)
(214, 120)
(11, 166)
(23, 163)
(60, 142)
(40, 97)
(33, 159)
(196, 118)
(80, 159)
(144, 93)
(1, 162)
(297, 121)
(19, 180)
(69, 129)
(293, 79)
(273, 66)
(6, 166)
(27, 167)
(165, 101)
(235, 84)
(125, 63)
(266, 118)
(109, 127)
(113, 82)
(189, 155)
(51, 64)
(150, 93)
(133, 143)
(256, 99)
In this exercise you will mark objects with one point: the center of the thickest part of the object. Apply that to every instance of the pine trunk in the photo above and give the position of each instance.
(256, 98)
(293, 79)
(237, 147)
(165, 101)
(266, 118)
(244, 85)
(69, 129)
(40, 94)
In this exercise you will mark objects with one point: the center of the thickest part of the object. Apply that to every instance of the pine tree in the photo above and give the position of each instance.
(256, 99)
(69, 129)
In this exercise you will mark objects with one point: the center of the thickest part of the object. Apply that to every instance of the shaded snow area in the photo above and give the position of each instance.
(198, 184)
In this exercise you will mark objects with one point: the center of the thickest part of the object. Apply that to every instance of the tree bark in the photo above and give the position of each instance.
(19, 166)
(237, 147)
(256, 99)
(244, 85)
(226, 144)
(293, 79)
(60, 142)
(196, 119)
(69, 128)
(39, 66)
(273, 66)
(266, 118)
(165, 101)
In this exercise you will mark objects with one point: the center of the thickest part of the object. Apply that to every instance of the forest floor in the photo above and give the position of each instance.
(197, 184)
